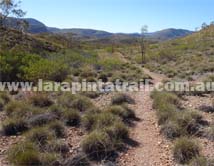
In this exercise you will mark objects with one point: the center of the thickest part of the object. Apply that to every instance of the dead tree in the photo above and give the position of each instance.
(144, 30)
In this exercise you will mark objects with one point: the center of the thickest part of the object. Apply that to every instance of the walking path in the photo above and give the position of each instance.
(153, 148)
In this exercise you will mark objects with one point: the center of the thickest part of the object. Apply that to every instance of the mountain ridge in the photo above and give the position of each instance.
(36, 26)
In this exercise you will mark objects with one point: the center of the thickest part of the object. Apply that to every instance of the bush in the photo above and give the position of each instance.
(92, 95)
(46, 70)
(40, 136)
(81, 103)
(57, 147)
(58, 128)
(41, 119)
(97, 145)
(15, 107)
(199, 161)
(49, 159)
(122, 98)
(170, 130)
(66, 99)
(122, 111)
(14, 126)
(118, 131)
(89, 120)
(72, 117)
(56, 110)
(78, 160)
(5, 97)
(104, 120)
(208, 109)
(40, 100)
(189, 122)
(185, 150)
(1, 105)
(165, 113)
(103, 77)
(162, 98)
(24, 154)
(209, 133)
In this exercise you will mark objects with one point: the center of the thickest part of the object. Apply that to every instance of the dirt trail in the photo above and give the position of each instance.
(152, 148)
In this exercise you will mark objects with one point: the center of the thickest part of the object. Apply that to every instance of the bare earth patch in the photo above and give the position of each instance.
(152, 149)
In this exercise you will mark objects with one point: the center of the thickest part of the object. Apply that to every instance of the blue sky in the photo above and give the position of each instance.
(121, 15)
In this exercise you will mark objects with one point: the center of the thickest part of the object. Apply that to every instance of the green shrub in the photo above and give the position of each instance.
(49, 159)
(165, 113)
(104, 120)
(57, 146)
(58, 128)
(24, 154)
(171, 130)
(199, 161)
(47, 70)
(209, 133)
(5, 98)
(72, 117)
(39, 136)
(208, 109)
(185, 150)
(92, 95)
(15, 107)
(97, 145)
(78, 160)
(56, 110)
(1, 105)
(66, 99)
(14, 126)
(189, 122)
(103, 77)
(81, 103)
(122, 111)
(122, 98)
(40, 100)
(118, 131)
(88, 73)
(41, 119)
(161, 98)
(89, 120)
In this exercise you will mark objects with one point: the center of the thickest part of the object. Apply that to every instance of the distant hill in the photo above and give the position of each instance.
(13, 40)
(35, 26)
(166, 34)
(187, 57)
(171, 33)
(38, 27)
(82, 32)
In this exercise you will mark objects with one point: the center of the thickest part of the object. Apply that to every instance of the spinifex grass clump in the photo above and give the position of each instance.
(185, 150)
(209, 133)
(122, 98)
(72, 117)
(14, 126)
(58, 128)
(41, 100)
(122, 111)
(40, 136)
(24, 154)
(97, 145)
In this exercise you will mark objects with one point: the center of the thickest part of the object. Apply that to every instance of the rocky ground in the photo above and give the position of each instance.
(194, 103)
(146, 147)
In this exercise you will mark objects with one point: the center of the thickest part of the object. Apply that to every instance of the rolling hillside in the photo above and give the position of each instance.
(13, 40)
(187, 57)
(36, 26)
